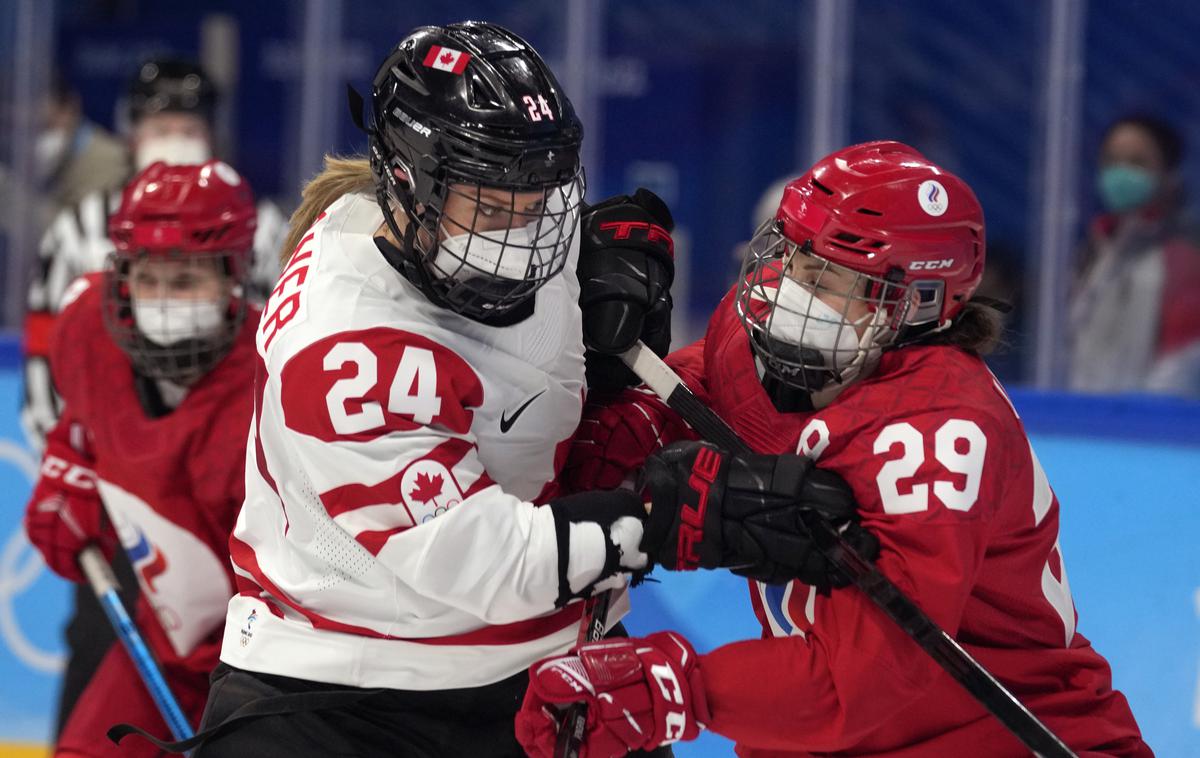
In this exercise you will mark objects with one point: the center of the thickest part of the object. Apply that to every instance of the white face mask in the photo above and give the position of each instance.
(168, 321)
(48, 151)
(505, 254)
(800, 318)
(172, 149)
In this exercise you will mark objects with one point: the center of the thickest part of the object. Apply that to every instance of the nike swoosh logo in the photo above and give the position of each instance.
(506, 423)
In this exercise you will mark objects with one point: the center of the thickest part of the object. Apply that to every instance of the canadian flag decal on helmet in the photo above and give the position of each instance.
(446, 59)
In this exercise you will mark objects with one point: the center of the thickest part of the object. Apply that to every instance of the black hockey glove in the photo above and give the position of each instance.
(626, 265)
(620, 514)
(712, 509)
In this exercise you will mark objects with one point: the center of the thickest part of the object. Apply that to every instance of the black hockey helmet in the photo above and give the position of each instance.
(468, 115)
(171, 85)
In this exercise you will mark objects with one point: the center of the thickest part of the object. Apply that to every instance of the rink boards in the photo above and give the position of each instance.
(1124, 469)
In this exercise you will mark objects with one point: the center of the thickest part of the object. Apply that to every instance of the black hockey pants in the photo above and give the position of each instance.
(252, 714)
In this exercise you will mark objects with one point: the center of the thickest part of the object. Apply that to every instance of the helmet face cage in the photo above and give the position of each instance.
(166, 336)
(805, 331)
(488, 249)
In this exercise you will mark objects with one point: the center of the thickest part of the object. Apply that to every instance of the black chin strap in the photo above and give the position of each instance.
(149, 397)
(356, 103)
(785, 397)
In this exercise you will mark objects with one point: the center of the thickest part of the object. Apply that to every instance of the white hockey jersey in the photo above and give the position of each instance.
(77, 243)
(388, 538)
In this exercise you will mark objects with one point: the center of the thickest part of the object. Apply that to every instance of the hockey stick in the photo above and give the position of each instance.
(940, 646)
(591, 629)
(104, 584)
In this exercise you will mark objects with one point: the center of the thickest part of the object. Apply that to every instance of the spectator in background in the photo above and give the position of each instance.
(1134, 319)
(72, 156)
(764, 210)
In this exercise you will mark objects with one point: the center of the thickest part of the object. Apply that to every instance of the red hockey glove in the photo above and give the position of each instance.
(65, 514)
(615, 437)
(640, 693)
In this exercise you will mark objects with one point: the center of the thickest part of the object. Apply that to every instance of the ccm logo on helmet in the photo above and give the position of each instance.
(412, 123)
(691, 530)
(930, 265)
(654, 232)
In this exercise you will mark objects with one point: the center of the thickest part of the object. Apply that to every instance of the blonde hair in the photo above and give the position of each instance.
(341, 176)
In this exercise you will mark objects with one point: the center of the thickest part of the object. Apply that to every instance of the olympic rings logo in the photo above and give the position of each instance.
(20, 566)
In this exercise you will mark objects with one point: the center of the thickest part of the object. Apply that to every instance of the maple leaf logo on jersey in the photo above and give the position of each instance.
(428, 487)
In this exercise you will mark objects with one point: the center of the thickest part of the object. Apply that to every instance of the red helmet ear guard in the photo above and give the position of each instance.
(885, 210)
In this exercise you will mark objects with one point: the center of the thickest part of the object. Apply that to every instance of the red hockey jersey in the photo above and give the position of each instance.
(946, 478)
(171, 485)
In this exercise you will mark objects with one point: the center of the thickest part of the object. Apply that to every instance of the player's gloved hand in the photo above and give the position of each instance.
(615, 437)
(599, 526)
(712, 509)
(626, 266)
(65, 514)
(641, 693)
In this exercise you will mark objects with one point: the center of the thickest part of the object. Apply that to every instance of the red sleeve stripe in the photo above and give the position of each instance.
(350, 497)
(503, 634)
(374, 540)
(552, 488)
(247, 588)
(38, 327)
(244, 559)
(515, 633)
(260, 457)
(482, 483)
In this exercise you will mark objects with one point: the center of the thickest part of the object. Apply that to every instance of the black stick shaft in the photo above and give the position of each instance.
(591, 629)
(887, 596)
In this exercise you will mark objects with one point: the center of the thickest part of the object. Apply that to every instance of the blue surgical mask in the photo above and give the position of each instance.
(1123, 187)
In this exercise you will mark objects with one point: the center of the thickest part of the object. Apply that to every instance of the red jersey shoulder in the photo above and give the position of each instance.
(236, 371)
(929, 433)
(222, 400)
(80, 346)
(363, 384)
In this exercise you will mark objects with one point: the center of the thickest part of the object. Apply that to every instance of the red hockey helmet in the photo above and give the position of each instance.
(905, 238)
(183, 237)
(181, 210)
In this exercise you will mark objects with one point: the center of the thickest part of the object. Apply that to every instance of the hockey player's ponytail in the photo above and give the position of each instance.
(978, 328)
(340, 177)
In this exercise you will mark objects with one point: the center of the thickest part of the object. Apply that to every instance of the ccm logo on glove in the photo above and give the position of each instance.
(72, 474)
